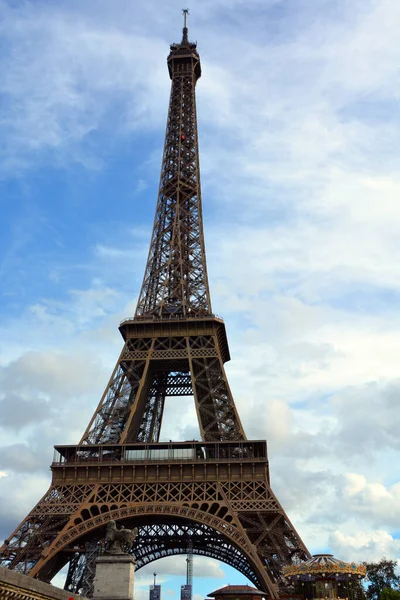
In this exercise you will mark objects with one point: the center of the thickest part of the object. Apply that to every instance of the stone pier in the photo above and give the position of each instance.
(114, 577)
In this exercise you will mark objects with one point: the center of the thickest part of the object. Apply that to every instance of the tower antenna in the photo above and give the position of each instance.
(187, 589)
(185, 12)
(189, 567)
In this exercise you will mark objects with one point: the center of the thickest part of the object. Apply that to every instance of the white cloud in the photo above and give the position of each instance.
(372, 501)
(20, 494)
(176, 565)
(65, 71)
(366, 546)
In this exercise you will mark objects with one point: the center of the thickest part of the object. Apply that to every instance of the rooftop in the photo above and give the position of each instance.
(237, 590)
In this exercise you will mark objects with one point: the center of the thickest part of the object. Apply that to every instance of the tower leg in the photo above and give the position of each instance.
(215, 493)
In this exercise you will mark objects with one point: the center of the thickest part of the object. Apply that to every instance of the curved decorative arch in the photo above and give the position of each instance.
(159, 540)
(235, 553)
(167, 539)
(228, 530)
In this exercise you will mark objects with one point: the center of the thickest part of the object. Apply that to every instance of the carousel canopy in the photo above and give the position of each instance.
(323, 565)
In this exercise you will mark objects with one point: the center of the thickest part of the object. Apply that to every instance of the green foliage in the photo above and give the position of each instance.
(389, 594)
(382, 580)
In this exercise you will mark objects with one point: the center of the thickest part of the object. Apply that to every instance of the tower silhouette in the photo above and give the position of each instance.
(213, 494)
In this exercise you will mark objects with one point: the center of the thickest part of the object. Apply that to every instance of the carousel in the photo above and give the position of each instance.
(324, 576)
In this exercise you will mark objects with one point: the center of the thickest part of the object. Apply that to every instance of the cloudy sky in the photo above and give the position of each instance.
(298, 111)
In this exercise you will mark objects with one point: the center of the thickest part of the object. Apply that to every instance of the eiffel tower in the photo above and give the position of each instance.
(213, 495)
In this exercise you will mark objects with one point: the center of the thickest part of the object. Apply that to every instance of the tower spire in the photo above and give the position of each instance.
(175, 280)
(185, 39)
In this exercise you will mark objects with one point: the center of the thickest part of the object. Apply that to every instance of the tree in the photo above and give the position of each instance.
(382, 580)
(389, 594)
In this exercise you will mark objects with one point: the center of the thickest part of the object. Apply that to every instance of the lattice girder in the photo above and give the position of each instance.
(175, 279)
(40, 528)
(204, 490)
(154, 365)
(56, 556)
(169, 537)
(82, 569)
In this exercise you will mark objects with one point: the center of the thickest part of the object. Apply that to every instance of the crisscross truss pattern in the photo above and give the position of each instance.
(152, 368)
(175, 279)
(158, 540)
(219, 489)
(82, 570)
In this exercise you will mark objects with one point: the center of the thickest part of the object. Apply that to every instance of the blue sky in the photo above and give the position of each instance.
(298, 113)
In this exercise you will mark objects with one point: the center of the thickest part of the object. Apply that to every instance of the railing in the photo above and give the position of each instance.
(244, 451)
(170, 317)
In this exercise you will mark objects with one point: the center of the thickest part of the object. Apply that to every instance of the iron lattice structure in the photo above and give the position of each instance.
(213, 496)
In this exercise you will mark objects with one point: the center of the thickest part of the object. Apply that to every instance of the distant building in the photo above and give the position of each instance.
(237, 592)
(186, 592)
(155, 592)
(247, 592)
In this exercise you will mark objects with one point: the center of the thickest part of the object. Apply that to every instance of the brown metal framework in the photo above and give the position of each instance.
(175, 279)
(214, 494)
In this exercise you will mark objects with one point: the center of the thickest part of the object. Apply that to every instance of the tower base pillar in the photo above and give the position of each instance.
(114, 577)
